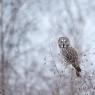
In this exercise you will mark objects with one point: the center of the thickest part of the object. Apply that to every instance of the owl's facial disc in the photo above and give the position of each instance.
(63, 42)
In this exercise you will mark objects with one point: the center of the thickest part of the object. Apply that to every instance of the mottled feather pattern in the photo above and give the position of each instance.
(69, 54)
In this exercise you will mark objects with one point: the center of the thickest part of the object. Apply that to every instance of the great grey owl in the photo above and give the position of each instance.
(69, 54)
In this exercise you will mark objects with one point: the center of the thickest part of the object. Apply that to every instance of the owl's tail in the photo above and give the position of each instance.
(78, 70)
(78, 74)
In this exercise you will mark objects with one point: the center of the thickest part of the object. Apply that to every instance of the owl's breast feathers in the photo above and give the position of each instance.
(70, 55)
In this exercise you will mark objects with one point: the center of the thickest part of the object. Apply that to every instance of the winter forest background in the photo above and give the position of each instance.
(29, 55)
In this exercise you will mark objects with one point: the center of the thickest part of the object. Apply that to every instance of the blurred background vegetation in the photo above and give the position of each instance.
(29, 55)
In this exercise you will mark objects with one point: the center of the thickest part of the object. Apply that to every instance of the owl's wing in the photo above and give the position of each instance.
(70, 55)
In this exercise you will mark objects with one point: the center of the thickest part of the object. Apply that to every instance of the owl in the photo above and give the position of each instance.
(69, 54)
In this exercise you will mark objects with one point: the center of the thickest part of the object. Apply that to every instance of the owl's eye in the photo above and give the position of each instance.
(61, 41)
(64, 41)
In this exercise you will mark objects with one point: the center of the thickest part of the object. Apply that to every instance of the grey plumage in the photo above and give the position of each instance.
(69, 53)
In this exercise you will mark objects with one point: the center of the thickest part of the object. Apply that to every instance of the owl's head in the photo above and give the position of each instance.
(63, 42)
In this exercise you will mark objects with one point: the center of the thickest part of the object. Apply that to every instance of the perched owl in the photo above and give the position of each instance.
(69, 54)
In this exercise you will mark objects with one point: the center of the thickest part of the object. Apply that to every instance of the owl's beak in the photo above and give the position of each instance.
(63, 45)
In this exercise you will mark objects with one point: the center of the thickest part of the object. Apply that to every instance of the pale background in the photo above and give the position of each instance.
(29, 59)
